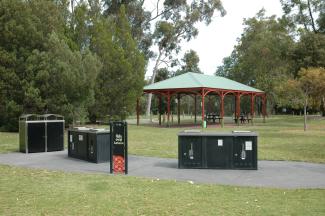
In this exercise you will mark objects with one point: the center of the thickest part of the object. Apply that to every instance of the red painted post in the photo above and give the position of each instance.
(264, 107)
(138, 110)
(159, 110)
(203, 114)
(178, 109)
(168, 108)
(195, 109)
(237, 107)
(222, 108)
(252, 107)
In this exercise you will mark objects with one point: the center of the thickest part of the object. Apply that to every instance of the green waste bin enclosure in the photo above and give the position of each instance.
(89, 144)
(232, 150)
(41, 133)
(54, 127)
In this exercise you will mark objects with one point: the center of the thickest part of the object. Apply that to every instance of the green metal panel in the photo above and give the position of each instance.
(22, 137)
(235, 150)
(196, 80)
(190, 152)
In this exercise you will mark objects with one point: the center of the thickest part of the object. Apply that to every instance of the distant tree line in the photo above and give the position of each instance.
(285, 57)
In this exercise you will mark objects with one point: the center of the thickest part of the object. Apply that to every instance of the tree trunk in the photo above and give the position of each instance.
(72, 6)
(323, 106)
(311, 17)
(305, 115)
(152, 80)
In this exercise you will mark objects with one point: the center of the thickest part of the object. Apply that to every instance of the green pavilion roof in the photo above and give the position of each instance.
(196, 80)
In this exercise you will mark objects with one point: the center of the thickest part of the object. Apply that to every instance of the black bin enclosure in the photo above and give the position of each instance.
(232, 150)
(89, 144)
(41, 133)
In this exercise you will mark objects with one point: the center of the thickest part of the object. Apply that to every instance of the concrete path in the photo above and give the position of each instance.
(274, 174)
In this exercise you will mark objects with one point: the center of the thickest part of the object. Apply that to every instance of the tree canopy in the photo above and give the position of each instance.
(261, 58)
(54, 59)
(283, 56)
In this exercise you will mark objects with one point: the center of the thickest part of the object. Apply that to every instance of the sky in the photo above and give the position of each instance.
(217, 40)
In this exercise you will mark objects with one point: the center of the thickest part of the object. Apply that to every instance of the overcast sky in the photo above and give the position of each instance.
(217, 40)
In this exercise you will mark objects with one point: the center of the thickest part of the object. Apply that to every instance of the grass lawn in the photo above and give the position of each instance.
(280, 138)
(41, 192)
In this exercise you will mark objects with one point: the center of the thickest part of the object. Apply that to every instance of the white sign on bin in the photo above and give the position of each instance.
(220, 142)
(81, 138)
(248, 145)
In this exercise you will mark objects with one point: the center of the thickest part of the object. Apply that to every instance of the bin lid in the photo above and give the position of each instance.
(26, 117)
(51, 117)
(201, 133)
(90, 130)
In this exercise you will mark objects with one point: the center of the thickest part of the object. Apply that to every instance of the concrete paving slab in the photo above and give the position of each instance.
(272, 174)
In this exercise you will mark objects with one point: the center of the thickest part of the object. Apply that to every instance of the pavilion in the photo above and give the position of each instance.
(202, 85)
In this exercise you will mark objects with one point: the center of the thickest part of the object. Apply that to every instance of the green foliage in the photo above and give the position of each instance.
(178, 22)
(261, 57)
(306, 13)
(271, 52)
(229, 65)
(306, 90)
(52, 56)
(312, 83)
(121, 79)
(25, 27)
(309, 51)
(191, 63)
(138, 18)
(162, 74)
(290, 94)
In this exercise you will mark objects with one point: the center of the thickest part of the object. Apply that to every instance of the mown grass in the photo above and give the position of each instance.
(280, 138)
(42, 192)
(9, 142)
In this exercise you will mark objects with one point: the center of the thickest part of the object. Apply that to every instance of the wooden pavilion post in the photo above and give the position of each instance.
(237, 112)
(222, 107)
(195, 109)
(159, 110)
(168, 108)
(203, 112)
(264, 107)
(138, 112)
(178, 109)
(252, 107)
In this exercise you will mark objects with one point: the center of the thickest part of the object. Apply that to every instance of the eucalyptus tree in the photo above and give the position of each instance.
(175, 23)
(310, 14)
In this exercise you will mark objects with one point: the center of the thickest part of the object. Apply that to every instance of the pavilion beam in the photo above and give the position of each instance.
(222, 108)
(203, 112)
(178, 109)
(138, 112)
(252, 107)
